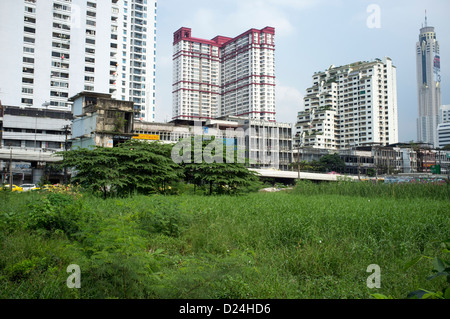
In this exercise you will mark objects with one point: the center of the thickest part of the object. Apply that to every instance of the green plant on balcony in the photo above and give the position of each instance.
(119, 124)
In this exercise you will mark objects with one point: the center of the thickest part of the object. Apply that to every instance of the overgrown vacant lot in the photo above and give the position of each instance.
(313, 242)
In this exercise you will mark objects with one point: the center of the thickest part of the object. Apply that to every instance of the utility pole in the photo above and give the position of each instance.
(359, 165)
(10, 169)
(298, 157)
(300, 135)
(66, 131)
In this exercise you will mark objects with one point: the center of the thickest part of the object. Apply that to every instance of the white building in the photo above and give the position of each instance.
(443, 133)
(224, 76)
(445, 114)
(58, 48)
(428, 84)
(349, 106)
(267, 144)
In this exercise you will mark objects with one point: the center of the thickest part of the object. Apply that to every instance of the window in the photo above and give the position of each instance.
(27, 101)
(27, 90)
(29, 19)
(28, 40)
(27, 70)
(28, 60)
(13, 143)
(27, 80)
(59, 94)
(28, 50)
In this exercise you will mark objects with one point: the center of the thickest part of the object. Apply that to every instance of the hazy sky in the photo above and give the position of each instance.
(312, 35)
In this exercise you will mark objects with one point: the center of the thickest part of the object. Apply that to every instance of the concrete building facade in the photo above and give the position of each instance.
(443, 134)
(29, 139)
(349, 106)
(66, 47)
(444, 114)
(224, 76)
(100, 120)
(428, 85)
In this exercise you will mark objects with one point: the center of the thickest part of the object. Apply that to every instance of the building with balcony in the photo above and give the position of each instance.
(32, 136)
(443, 133)
(224, 76)
(350, 106)
(65, 47)
(100, 120)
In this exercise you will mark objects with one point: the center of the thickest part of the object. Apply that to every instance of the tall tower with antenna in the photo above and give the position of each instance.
(428, 84)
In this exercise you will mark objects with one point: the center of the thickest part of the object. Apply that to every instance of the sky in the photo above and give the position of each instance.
(310, 36)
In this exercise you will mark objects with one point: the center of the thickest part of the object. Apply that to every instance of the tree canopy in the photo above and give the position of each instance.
(332, 162)
(133, 166)
(214, 172)
(145, 168)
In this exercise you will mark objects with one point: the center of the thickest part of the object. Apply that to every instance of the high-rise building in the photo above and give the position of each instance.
(59, 48)
(428, 84)
(349, 106)
(224, 76)
(445, 114)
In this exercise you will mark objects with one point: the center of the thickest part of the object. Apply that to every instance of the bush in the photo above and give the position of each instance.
(164, 216)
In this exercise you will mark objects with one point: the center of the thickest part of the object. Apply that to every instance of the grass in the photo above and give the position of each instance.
(313, 242)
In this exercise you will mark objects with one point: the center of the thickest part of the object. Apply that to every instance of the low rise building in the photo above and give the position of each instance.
(31, 136)
(100, 120)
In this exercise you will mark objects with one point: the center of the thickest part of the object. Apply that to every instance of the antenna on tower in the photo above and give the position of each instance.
(426, 19)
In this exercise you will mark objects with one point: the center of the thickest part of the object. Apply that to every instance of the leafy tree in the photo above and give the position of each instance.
(317, 166)
(95, 169)
(133, 166)
(215, 172)
(332, 163)
(304, 166)
(371, 172)
(146, 166)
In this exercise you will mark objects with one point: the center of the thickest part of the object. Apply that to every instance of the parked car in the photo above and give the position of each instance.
(14, 189)
(28, 187)
(47, 187)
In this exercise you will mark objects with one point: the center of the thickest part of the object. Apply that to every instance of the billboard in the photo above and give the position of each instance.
(437, 68)
(146, 137)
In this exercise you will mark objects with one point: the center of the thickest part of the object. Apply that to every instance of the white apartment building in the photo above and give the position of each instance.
(224, 76)
(349, 106)
(443, 133)
(59, 48)
(445, 114)
(428, 85)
